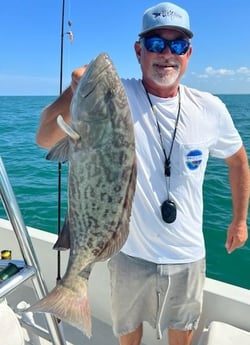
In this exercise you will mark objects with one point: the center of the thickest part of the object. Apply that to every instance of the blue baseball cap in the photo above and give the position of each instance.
(166, 16)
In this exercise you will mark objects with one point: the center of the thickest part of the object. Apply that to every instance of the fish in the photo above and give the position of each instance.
(99, 147)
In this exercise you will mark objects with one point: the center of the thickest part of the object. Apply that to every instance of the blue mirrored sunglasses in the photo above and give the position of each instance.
(156, 44)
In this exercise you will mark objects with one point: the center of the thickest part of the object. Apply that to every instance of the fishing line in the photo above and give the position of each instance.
(59, 169)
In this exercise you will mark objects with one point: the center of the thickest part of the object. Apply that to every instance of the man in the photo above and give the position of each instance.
(159, 274)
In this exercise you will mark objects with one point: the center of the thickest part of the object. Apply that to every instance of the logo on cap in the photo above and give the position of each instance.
(169, 13)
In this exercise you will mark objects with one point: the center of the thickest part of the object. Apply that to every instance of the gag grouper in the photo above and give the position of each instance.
(100, 149)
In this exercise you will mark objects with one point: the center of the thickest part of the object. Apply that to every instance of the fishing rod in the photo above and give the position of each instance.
(70, 34)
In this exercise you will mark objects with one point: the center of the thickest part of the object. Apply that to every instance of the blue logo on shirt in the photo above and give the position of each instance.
(194, 159)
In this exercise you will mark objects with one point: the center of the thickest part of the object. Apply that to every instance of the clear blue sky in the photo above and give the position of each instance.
(31, 34)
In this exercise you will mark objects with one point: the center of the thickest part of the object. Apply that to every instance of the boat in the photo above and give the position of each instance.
(226, 308)
(224, 319)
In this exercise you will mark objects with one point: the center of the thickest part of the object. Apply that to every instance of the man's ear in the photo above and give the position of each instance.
(137, 47)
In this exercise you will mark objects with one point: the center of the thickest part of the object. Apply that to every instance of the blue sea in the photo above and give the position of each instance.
(35, 181)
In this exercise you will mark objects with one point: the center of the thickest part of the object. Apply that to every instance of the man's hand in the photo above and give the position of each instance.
(76, 76)
(236, 236)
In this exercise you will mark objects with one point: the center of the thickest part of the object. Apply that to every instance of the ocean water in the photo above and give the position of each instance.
(35, 181)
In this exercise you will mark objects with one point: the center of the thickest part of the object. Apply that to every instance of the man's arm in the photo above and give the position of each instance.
(49, 132)
(240, 182)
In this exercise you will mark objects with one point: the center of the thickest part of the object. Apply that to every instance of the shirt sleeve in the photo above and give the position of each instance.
(229, 140)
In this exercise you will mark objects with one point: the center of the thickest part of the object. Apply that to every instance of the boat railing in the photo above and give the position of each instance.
(30, 267)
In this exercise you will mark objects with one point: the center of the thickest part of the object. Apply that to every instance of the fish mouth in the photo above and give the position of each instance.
(95, 68)
(85, 92)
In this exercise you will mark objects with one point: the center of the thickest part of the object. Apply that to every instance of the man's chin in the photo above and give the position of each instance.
(163, 82)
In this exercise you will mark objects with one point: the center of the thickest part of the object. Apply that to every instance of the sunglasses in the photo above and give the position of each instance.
(156, 44)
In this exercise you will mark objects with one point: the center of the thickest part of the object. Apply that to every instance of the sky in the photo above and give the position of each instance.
(30, 39)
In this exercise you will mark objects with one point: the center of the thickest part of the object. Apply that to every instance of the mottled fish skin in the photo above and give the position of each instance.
(101, 185)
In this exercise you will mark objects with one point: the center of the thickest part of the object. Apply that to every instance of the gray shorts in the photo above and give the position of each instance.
(166, 296)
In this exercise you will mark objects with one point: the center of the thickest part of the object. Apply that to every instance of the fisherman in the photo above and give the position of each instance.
(158, 276)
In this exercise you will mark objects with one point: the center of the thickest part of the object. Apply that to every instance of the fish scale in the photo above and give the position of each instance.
(100, 150)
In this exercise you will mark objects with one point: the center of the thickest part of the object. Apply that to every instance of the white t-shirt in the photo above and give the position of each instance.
(205, 128)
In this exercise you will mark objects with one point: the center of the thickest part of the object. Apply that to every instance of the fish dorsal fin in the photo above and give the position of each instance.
(60, 151)
(67, 129)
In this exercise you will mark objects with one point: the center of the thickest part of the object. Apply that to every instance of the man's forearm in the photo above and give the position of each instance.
(49, 132)
(240, 183)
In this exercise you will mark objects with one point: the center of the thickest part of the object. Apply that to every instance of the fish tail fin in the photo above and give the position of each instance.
(68, 305)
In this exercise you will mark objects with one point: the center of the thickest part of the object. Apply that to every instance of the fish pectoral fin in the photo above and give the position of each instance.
(63, 241)
(60, 151)
(67, 129)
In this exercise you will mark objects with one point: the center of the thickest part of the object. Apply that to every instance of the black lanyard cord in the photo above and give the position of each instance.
(167, 164)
